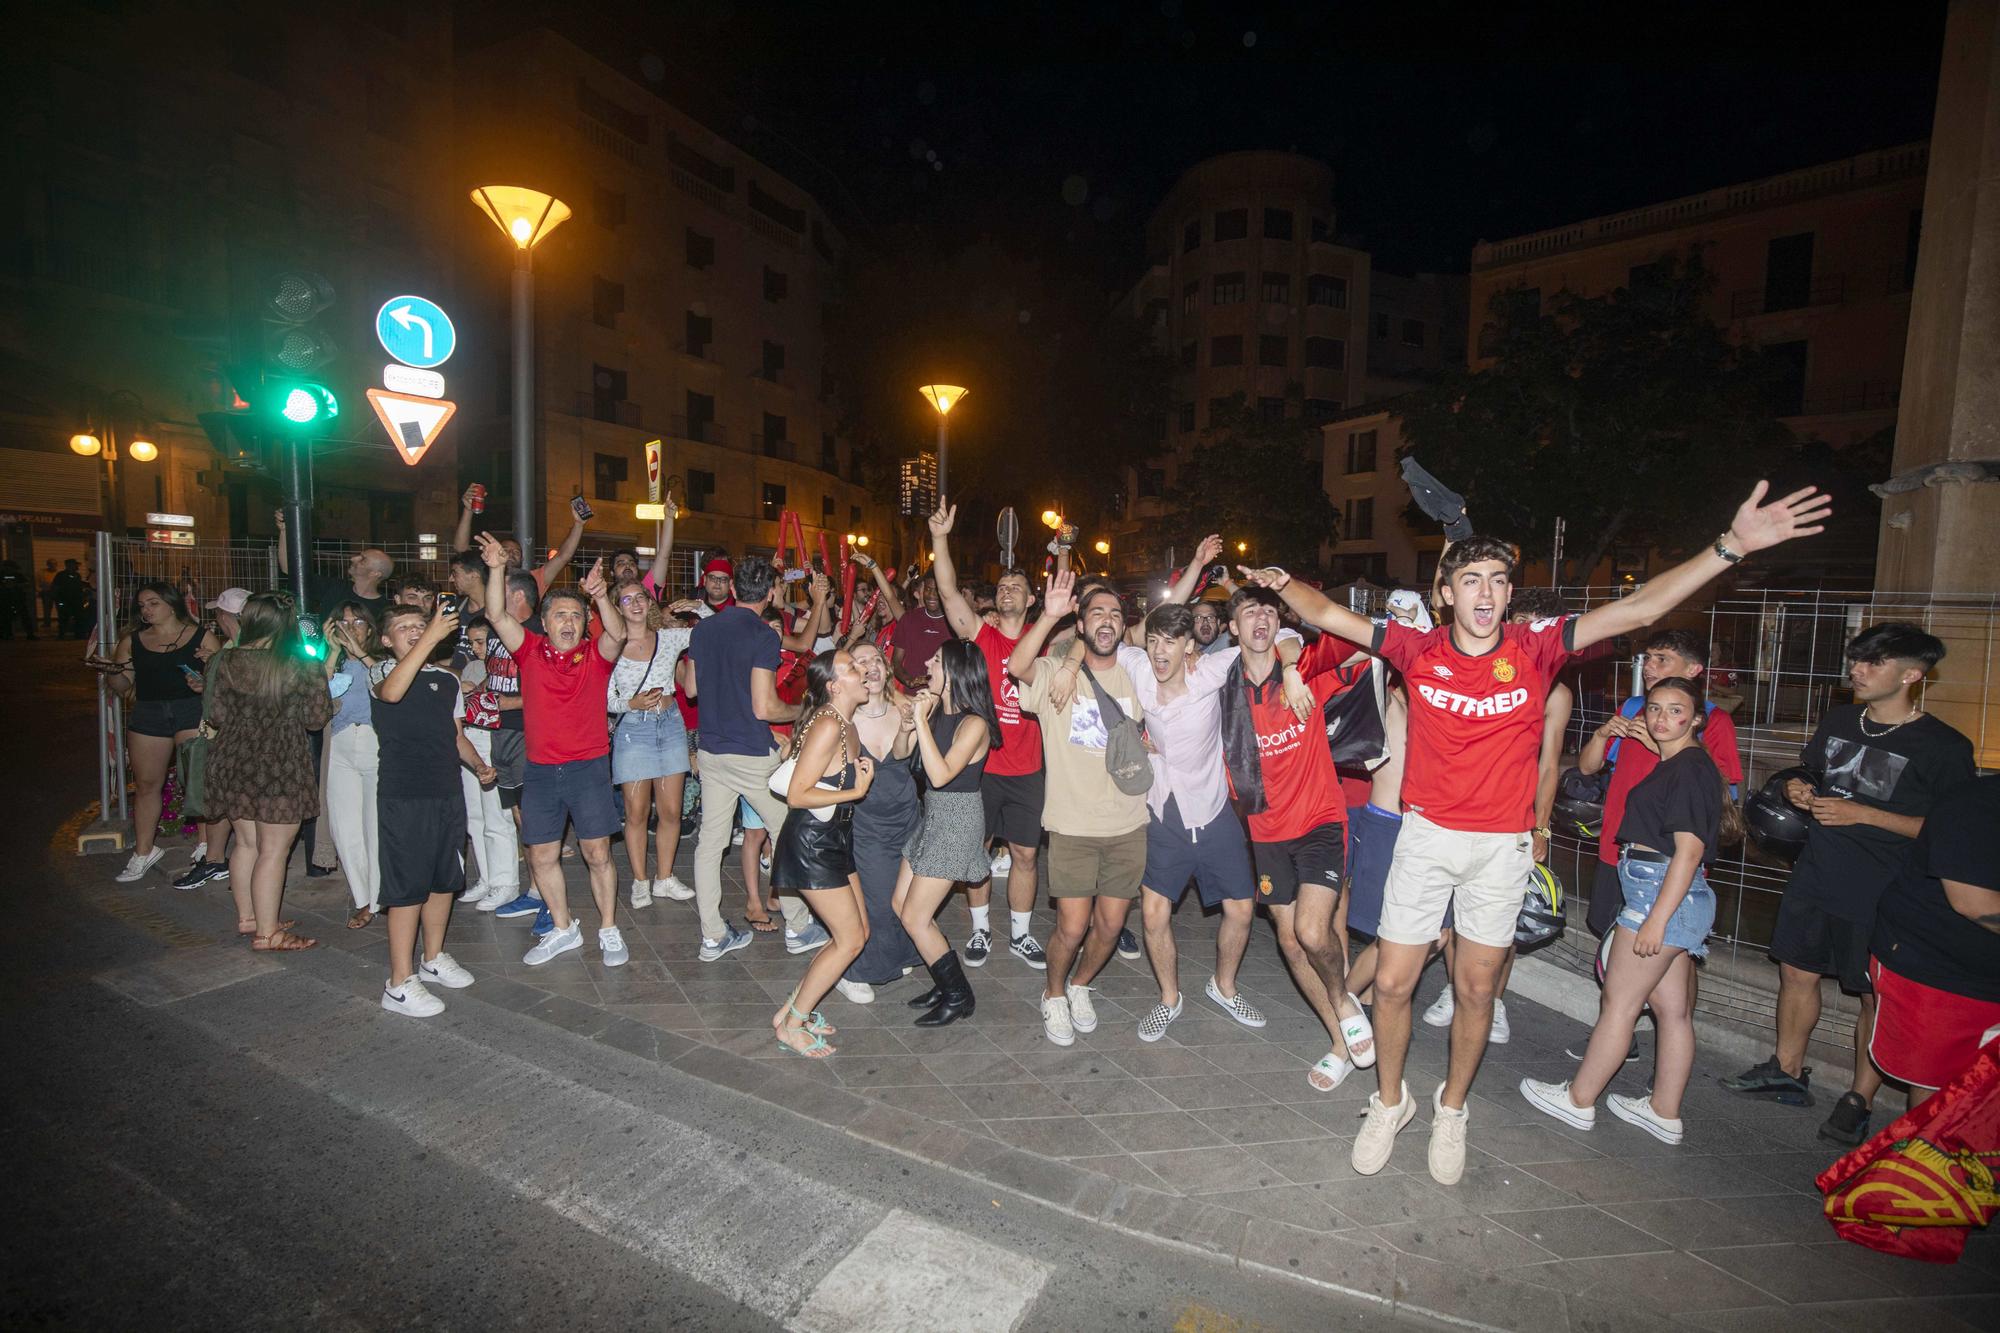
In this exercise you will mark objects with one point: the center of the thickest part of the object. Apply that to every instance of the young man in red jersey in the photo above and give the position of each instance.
(1477, 686)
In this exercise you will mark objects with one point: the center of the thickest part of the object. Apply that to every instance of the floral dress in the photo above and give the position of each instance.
(260, 763)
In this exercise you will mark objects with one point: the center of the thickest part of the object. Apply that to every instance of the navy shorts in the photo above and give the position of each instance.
(579, 793)
(1318, 856)
(1371, 845)
(420, 842)
(1216, 854)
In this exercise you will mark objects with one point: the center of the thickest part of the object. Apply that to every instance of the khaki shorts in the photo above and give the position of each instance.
(1083, 867)
(1479, 876)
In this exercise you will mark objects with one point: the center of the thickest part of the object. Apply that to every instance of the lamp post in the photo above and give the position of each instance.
(942, 397)
(1103, 548)
(101, 440)
(526, 215)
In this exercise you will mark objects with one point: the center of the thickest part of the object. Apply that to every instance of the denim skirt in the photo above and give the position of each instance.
(647, 746)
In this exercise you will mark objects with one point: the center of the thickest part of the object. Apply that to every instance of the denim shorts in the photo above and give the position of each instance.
(647, 746)
(1689, 926)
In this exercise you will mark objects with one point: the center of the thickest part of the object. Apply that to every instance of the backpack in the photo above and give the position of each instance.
(1125, 757)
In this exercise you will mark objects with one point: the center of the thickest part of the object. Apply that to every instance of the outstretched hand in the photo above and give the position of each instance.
(942, 518)
(1270, 576)
(1060, 597)
(1210, 549)
(593, 582)
(1759, 526)
(490, 550)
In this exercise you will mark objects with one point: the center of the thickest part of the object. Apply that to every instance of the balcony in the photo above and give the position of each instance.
(699, 430)
(1858, 396)
(771, 446)
(1756, 300)
(613, 411)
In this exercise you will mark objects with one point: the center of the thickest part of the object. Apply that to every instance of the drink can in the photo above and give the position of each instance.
(478, 498)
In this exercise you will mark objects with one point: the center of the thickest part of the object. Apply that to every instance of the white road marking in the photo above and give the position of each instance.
(908, 1275)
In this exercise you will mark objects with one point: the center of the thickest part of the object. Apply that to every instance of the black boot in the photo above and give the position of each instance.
(957, 993)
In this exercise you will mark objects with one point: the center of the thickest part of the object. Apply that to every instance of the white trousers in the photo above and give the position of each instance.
(350, 811)
(496, 843)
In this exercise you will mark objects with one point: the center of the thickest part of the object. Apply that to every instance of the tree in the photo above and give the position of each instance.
(1631, 416)
(1257, 480)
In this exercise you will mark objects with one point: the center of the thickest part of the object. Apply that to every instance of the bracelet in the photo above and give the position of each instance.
(1544, 830)
(1733, 557)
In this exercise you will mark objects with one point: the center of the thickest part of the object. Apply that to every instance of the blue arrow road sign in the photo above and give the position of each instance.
(415, 331)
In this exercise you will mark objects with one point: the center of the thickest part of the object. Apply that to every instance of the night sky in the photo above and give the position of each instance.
(1054, 129)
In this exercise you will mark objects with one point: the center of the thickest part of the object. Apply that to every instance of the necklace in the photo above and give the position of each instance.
(1915, 713)
(883, 711)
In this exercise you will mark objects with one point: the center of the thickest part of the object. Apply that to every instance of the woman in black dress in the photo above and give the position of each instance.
(814, 857)
(885, 728)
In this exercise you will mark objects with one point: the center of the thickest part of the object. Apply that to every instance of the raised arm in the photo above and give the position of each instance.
(611, 637)
(1311, 606)
(890, 601)
(443, 625)
(1206, 552)
(802, 639)
(1756, 527)
(510, 631)
(964, 620)
(564, 554)
(284, 547)
(663, 546)
(461, 536)
(1057, 602)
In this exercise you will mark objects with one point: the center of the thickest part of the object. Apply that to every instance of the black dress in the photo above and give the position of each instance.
(884, 819)
(812, 854)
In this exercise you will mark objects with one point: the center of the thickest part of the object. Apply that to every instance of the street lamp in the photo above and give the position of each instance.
(942, 397)
(527, 216)
(1103, 547)
(143, 450)
(1051, 519)
(83, 442)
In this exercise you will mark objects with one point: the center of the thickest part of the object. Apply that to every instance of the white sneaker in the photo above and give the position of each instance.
(642, 893)
(1553, 1099)
(1002, 864)
(1377, 1138)
(1447, 1139)
(1439, 1014)
(672, 890)
(445, 971)
(1639, 1111)
(410, 999)
(1235, 1006)
(855, 992)
(1499, 1034)
(1082, 1011)
(611, 943)
(473, 893)
(137, 866)
(498, 896)
(1055, 1021)
(554, 943)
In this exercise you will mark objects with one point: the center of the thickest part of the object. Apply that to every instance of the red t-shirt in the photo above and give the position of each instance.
(562, 698)
(919, 634)
(1020, 751)
(1635, 761)
(1476, 722)
(1301, 787)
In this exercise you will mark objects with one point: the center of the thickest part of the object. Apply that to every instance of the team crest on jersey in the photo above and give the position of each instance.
(1503, 671)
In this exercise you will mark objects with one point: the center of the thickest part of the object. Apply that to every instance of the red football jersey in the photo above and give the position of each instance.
(1020, 751)
(1301, 789)
(1476, 722)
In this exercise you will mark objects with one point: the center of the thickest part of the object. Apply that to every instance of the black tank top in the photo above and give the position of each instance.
(944, 729)
(157, 677)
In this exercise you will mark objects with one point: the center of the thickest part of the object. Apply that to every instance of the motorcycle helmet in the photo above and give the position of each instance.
(1541, 916)
(1777, 826)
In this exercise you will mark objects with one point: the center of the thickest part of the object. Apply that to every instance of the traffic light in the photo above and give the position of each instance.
(296, 351)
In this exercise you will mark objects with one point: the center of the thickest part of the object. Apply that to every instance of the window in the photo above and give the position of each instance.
(774, 361)
(1373, 566)
(1322, 227)
(700, 489)
(716, 175)
(1322, 409)
(1191, 235)
(1381, 324)
(1226, 350)
(775, 445)
(776, 209)
(700, 333)
(1187, 418)
(700, 250)
(1322, 289)
(610, 207)
(1270, 409)
(1785, 367)
(1788, 272)
(1188, 350)
(1326, 353)
(1232, 224)
(774, 500)
(1278, 224)
(607, 471)
(607, 393)
(776, 285)
(1916, 234)
(1413, 333)
(1277, 288)
(1190, 298)
(701, 417)
(1227, 288)
(1273, 349)
(1360, 451)
(607, 302)
(1360, 523)
(829, 453)
(854, 516)
(826, 511)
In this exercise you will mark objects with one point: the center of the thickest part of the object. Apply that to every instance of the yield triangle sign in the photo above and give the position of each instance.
(413, 422)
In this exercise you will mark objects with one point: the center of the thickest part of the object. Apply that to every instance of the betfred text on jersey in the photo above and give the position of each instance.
(1465, 705)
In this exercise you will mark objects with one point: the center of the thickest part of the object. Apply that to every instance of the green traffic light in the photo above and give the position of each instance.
(307, 404)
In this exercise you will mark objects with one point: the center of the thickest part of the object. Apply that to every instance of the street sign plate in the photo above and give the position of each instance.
(408, 379)
(413, 422)
(415, 331)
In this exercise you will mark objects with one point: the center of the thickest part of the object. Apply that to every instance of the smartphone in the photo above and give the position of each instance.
(794, 575)
(447, 604)
(193, 676)
(581, 508)
(1217, 573)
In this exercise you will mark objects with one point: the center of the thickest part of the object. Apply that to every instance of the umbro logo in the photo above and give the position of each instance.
(1441, 669)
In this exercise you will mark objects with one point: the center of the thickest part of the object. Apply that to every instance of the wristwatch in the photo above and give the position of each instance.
(1733, 557)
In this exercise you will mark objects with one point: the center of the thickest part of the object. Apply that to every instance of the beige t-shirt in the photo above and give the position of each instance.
(1081, 800)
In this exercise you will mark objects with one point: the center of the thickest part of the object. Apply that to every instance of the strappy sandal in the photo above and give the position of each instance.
(359, 918)
(248, 925)
(1358, 1029)
(1332, 1065)
(816, 1049)
(760, 924)
(281, 941)
(812, 1022)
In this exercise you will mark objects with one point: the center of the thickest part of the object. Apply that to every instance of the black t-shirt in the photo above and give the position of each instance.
(1844, 870)
(1681, 795)
(415, 737)
(324, 592)
(1918, 933)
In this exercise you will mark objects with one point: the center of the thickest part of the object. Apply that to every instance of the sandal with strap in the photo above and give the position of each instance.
(813, 1022)
(760, 924)
(816, 1049)
(359, 918)
(248, 925)
(1333, 1066)
(281, 941)
(1356, 1030)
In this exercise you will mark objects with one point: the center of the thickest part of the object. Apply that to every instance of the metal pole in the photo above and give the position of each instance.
(297, 506)
(525, 500)
(105, 719)
(944, 455)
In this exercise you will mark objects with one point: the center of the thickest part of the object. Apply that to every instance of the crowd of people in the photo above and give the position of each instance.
(1384, 788)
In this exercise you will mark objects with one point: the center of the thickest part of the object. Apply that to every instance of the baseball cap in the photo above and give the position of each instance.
(231, 600)
(719, 565)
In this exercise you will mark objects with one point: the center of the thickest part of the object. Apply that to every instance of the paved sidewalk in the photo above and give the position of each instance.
(1212, 1137)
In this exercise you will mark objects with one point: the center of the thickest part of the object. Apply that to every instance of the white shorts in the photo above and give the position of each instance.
(1478, 876)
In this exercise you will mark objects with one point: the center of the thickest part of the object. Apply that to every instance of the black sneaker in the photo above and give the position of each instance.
(1128, 945)
(1028, 951)
(978, 945)
(1769, 1082)
(1576, 1052)
(201, 872)
(1848, 1125)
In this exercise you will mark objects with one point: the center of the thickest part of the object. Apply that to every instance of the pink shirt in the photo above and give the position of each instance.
(1186, 732)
